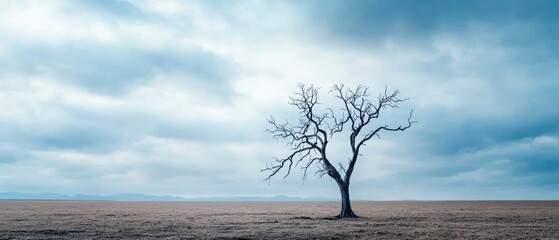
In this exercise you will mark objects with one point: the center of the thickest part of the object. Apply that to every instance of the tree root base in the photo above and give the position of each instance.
(346, 215)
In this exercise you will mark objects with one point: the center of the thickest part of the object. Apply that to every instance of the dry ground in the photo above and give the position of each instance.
(255, 220)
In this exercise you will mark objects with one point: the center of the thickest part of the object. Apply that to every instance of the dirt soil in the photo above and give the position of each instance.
(285, 220)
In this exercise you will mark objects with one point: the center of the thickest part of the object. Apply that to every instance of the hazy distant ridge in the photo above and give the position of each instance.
(144, 197)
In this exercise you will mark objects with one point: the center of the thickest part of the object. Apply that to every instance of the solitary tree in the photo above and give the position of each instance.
(309, 137)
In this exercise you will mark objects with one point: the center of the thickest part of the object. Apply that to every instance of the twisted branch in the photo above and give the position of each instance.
(309, 138)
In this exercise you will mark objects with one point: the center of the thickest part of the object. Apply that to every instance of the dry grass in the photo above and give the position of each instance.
(255, 220)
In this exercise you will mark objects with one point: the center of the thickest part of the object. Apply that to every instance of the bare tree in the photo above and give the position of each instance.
(309, 137)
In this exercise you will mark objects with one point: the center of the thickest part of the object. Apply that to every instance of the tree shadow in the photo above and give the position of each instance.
(327, 218)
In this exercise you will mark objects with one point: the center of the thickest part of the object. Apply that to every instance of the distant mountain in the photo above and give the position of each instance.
(33, 196)
(127, 197)
(281, 198)
(57, 196)
(144, 197)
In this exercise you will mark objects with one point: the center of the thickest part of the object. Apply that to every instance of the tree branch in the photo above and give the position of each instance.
(309, 137)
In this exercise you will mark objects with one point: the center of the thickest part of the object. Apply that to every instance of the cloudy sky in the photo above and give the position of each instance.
(173, 97)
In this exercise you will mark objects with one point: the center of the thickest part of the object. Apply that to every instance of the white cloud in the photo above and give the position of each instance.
(179, 93)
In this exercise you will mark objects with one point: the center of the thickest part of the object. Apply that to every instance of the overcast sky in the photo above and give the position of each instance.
(173, 97)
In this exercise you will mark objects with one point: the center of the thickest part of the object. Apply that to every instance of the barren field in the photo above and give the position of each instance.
(256, 220)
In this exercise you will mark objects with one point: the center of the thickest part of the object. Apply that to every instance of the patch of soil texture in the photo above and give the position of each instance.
(285, 220)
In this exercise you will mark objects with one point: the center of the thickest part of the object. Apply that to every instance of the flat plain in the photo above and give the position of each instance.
(285, 220)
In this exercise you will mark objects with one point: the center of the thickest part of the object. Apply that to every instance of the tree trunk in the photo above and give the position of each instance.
(346, 211)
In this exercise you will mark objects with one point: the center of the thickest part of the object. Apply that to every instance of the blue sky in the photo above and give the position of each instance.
(173, 97)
